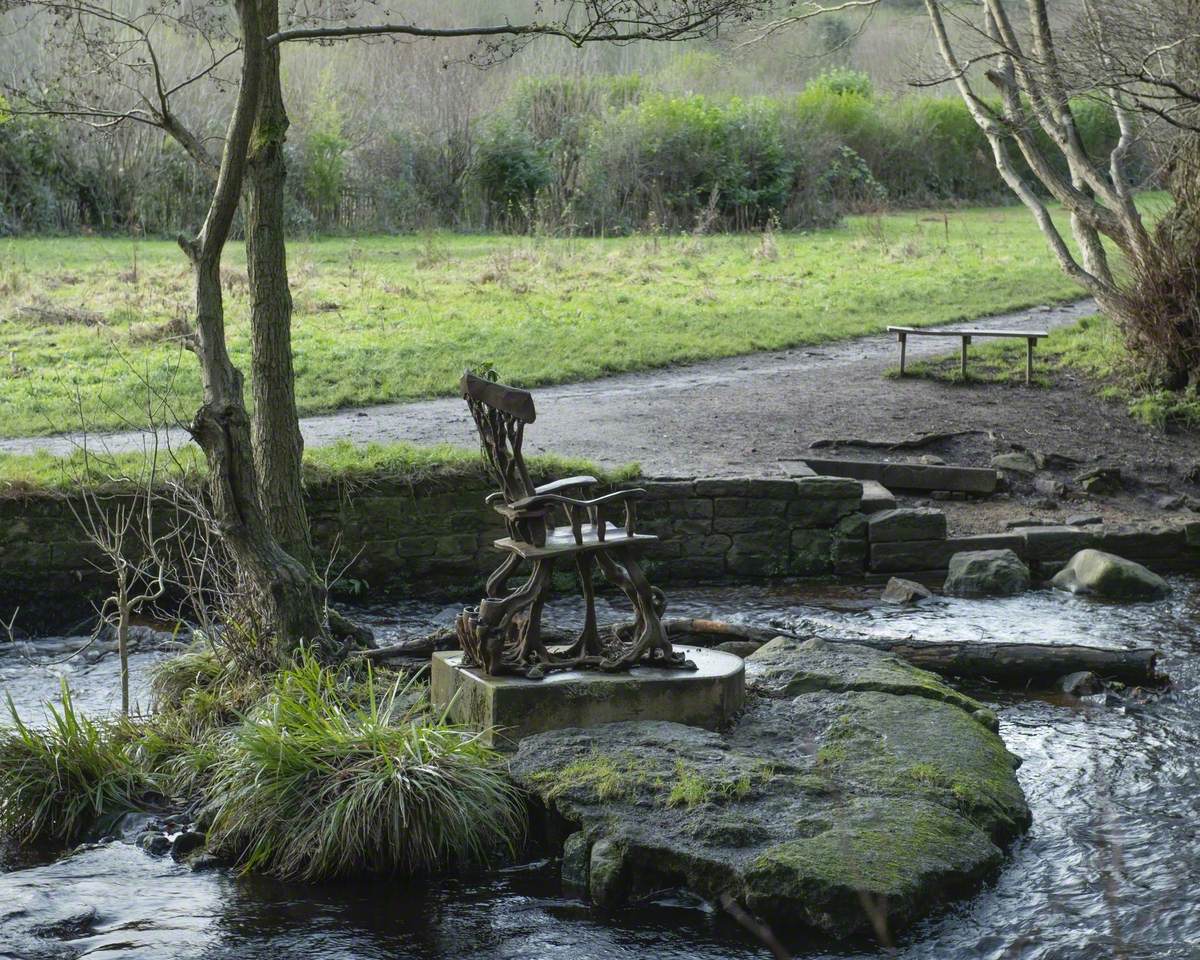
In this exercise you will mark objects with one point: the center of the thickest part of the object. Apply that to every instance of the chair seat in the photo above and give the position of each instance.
(561, 542)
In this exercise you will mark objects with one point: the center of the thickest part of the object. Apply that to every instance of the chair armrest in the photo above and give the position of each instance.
(566, 483)
(540, 498)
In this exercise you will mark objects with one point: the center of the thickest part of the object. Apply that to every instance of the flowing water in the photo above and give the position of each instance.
(1111, 867)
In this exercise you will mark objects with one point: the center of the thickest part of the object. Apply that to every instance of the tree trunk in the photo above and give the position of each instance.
(278, 445)
(281, 586)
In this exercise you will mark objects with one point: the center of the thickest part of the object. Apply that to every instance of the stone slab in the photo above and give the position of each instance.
(507, 709)
(876, 497)
(907, 556)
(907, 523)
(910, 476)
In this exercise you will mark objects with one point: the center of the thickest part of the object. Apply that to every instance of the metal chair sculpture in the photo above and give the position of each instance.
(503, 634)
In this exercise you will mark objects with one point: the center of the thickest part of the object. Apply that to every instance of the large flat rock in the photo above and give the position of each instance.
(851, 782)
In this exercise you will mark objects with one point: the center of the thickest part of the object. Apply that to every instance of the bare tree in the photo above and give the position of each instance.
(1137, 57)
(116, 74)
(132, 540)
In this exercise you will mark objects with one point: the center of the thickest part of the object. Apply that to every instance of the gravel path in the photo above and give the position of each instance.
(741, 414)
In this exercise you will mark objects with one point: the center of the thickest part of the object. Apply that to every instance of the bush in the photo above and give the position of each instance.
(510, 168)
(56, 782)
(314, 785)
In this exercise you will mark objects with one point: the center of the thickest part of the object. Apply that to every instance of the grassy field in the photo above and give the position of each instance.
(85, 323)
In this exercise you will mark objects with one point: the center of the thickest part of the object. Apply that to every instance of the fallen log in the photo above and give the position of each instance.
(1010, 664)
(1020, 664)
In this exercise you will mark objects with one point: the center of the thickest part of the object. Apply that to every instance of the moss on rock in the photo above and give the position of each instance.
(854, 779)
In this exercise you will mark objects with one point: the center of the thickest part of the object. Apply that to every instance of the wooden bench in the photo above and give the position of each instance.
(1030, 337)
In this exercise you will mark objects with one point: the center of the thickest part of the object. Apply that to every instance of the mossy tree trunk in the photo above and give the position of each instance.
(282, 586)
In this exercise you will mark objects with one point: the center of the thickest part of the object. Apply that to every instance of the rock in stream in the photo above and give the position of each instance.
(853, 784)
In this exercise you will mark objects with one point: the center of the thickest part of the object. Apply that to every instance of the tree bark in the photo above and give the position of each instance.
(278, 444)
(282, 586)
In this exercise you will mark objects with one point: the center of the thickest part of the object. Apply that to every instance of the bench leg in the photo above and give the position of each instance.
(1029, 360)
(903, 346)
(963, 360)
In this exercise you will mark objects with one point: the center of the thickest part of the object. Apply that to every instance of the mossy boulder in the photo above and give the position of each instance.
(1101, 574)
(986, 573)
(850, 779)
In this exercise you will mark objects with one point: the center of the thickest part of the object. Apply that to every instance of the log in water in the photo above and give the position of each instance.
(1011, 664)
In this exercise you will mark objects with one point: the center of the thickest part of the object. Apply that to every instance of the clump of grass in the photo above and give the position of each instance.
(55, 782)
(180, 678)
(342, 462)
(313, 785)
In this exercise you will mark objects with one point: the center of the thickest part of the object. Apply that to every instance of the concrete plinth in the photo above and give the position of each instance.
(510, 708)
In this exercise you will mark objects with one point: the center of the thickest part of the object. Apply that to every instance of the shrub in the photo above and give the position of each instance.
(313, 785)
(510, 168)
(842, 80)
(57, 781)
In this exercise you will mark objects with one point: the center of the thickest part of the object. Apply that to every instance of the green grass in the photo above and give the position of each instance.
(57, 780)
(392, 318)
(309, 773)
(314, 786)
(1092, 348)
(341, 462)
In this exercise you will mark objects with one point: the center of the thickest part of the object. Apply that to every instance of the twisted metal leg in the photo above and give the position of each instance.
(649, 637)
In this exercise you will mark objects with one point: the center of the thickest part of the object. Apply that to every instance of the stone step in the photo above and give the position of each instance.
(906, 523)
(906, 556)
(876, 497)
(910, 476)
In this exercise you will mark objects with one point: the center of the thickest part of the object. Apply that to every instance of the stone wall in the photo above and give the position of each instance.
(434, 538)
(913, 543)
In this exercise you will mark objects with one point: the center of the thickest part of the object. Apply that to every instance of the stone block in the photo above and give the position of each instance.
(857, 469)
(853, 526)
(507, 709)
(712, 545)
(458, 544)
(811, 553)
(828, 488)
(906, 523)
(812, 512)
(748, 507)
(693, 508)
(903, 556)
(1056, 543)
(415, 547)
(921, 476)
(876, 496)
(670, 490)
(1153, 542)
(764, 488)
(743, 524)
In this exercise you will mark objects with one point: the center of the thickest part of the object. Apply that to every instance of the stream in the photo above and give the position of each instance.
(1110, 868)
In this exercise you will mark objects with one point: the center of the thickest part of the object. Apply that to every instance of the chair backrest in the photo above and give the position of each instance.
(500, 414)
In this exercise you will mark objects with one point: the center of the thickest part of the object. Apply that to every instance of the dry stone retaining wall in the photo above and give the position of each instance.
(434, 538)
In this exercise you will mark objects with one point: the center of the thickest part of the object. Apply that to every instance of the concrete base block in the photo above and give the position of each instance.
(508, 709)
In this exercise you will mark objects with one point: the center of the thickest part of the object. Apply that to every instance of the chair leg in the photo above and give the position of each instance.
(501, 575)
(588, 641)
(649, 636)
(485, 630)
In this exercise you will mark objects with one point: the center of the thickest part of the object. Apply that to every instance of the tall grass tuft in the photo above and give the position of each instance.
(56, 781)
(313, 785)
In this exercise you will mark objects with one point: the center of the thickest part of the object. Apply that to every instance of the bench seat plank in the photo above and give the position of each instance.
(920, 332)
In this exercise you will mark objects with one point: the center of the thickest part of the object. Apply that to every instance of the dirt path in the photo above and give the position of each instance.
(739, 415)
